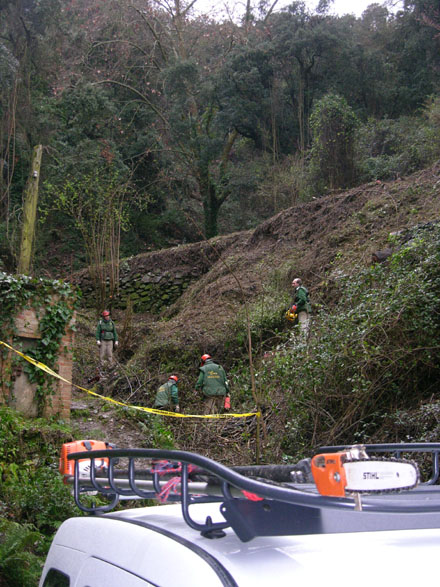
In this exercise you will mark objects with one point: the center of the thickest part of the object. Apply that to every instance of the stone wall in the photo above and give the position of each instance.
(154, 281)
(149, 290)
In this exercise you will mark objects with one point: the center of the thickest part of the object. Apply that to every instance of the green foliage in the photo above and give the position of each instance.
(333, 125)
(387, 149)
(267, 323)
(161, 228)
(29, 441)
(266, 320)
(373, 353)
(23, 440)
(96, 202)
(57, 301)
(91, 199)
(31, 488)
(163, 436)
(86, 133)
(169, 108)
(39, 497)
(31, 493)
(420, 424)
(244, 88)
(19, 547)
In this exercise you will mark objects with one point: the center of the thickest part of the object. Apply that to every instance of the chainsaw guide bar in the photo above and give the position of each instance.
(353, 472)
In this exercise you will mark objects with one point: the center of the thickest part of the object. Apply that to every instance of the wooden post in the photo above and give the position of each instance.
(30, 212)
(5, 372)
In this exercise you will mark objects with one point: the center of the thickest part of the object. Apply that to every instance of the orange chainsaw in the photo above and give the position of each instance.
(67, 468)
(351, 472)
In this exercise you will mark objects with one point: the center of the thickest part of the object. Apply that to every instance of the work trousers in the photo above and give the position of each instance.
(304, 323)
(213, 404)
(106, 352)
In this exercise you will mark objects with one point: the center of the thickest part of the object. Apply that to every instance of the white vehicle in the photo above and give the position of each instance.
(374, 525)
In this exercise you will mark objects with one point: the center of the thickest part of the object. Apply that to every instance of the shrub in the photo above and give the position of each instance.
(19, 563)
(266, 319)
(31, 489)
(387, 149)
(333, 125)
(39, 498)
(371, 355)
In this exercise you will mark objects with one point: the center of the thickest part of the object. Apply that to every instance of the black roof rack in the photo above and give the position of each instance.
(253, 506)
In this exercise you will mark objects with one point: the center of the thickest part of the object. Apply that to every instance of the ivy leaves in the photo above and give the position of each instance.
(55, 302)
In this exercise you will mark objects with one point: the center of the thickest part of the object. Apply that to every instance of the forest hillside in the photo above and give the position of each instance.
(368, 372)
(328, 243)
(140, 138)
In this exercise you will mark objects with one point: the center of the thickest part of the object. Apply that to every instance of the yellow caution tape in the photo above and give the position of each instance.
(48, 370)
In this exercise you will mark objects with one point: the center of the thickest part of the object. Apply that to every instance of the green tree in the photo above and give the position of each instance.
(166, 66)
(96, 202)
(333, 125)
(301, 43)
(29, 33)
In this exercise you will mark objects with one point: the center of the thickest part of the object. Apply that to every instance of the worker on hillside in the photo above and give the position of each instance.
(167, 396)
(301, 305)
(213, 383)
(106, 338)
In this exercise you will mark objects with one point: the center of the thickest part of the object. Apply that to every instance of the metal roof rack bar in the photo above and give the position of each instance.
(266, 508)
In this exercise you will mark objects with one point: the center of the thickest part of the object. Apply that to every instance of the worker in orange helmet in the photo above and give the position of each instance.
(213, 383)
(167, 396)
(106, 338)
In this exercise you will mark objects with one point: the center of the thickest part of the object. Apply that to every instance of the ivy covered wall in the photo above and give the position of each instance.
(37, 318)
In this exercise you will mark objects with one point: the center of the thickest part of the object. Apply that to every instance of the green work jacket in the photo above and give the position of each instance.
(106, 330)
(212, 379)
(301, 299)
(166, 395)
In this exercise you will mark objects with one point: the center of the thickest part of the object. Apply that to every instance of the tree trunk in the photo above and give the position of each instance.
(30, 212)
(211, 207)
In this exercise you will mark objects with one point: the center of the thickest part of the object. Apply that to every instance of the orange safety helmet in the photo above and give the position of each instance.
(106, 313)
(174, 377)
(204, 358)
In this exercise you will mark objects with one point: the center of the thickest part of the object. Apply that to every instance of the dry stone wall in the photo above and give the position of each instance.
(154, 281)
(154, 290)
(149, 290)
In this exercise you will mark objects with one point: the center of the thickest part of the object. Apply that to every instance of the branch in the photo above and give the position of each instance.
(137, 93)
(188, 8)
(269, 12)
(98, 43)
(429, 21)
(26, 30)
(225, 159)
(227, 150)
(153, 32)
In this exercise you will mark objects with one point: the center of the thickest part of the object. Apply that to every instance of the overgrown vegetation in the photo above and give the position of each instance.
(225, 123)
(96, 204)
(333, 125)
(33, 499)
(372, 357)
(20, 547)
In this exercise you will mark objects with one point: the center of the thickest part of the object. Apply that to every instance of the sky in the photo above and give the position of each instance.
(339, 7)
(355, 7)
